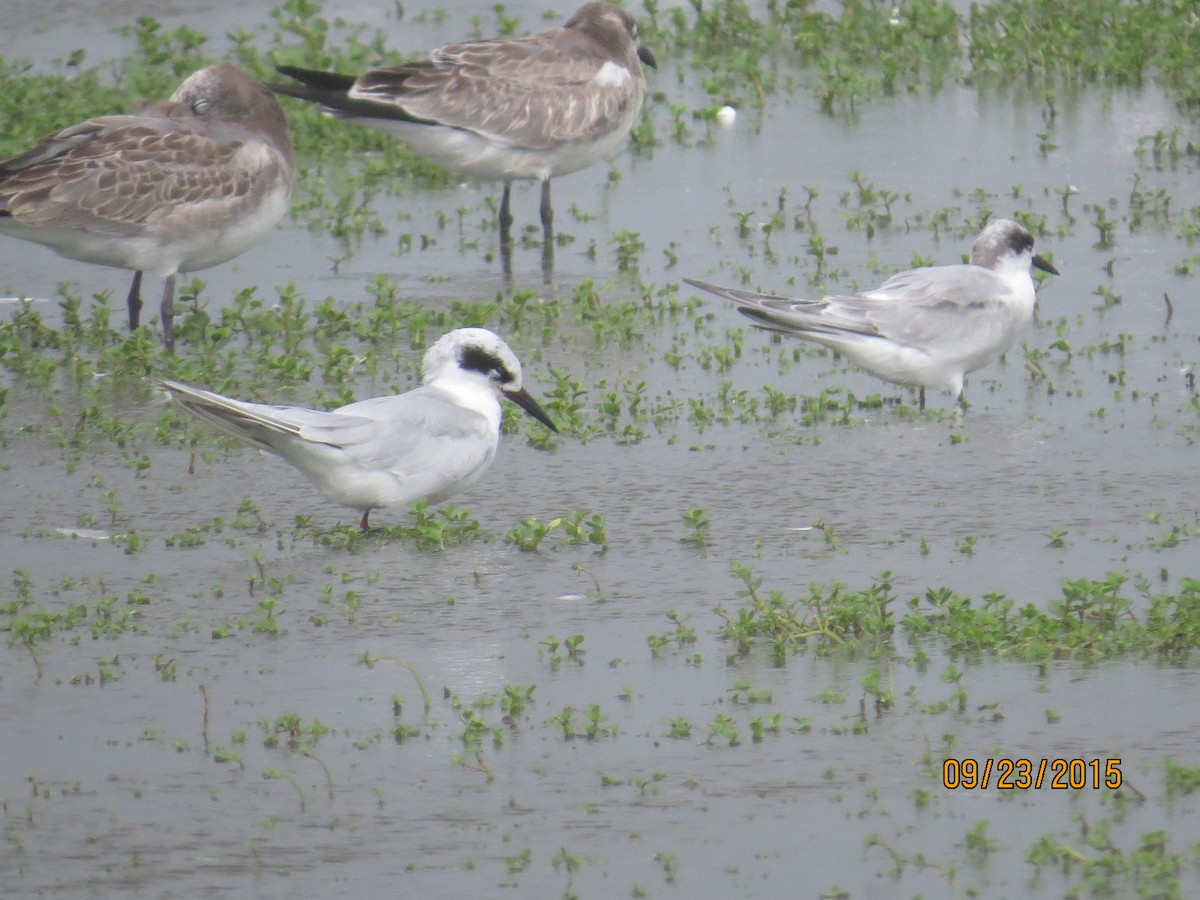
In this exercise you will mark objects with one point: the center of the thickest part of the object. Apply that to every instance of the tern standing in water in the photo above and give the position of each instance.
(926, 327)
(426, 444)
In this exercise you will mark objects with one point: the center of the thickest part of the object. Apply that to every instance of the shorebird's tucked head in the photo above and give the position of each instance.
(615, 30)
(225, 93)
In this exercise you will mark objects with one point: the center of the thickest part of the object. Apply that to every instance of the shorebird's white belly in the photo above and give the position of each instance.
(189, 237)
(469, 153)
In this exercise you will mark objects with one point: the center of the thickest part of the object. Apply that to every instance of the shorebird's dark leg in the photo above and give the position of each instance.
(134, 301)
(506, 233)
(962, 400)
(505, 215)
(506, 263)
(547, 234)
(547, 213)
(921, 397)
(547, 262)
(363, 525)
(168, 312)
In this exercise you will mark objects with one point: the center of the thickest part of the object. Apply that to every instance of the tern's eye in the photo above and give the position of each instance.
(477, 359)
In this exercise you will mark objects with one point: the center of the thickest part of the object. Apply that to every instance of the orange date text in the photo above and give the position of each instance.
(1022, 774)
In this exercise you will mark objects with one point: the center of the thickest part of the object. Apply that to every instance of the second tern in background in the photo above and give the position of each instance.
(926, 327)
(426, 444)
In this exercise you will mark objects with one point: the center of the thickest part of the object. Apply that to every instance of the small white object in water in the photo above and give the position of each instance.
(726, 115)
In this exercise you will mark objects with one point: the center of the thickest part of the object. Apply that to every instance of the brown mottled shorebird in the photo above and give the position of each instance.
(506, 108)
(177, 186)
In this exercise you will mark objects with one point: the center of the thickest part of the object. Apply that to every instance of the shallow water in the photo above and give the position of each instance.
(113, 776)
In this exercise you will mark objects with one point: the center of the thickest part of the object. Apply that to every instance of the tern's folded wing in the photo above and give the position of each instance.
(944, 305)
(412, 433)
(260, 424)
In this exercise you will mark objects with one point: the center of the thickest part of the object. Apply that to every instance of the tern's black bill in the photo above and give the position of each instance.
(525, 400)
(646, 55)
(1039, 263)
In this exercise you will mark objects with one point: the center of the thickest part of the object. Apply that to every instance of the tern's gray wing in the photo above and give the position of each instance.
(115, 174)
(951, 306)
(422, 434)
(267, 427)
(535, 93)
(920, 308)
(410, 434)
(785, 314)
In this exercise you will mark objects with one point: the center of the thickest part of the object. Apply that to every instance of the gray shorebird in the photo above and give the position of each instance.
(926, 327)
(426, 444)
(177, 186)
(504, 109)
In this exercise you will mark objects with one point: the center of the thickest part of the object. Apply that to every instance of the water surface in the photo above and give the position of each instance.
(117, 778)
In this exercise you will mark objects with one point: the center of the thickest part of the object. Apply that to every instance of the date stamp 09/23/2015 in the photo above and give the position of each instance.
(1023, 774)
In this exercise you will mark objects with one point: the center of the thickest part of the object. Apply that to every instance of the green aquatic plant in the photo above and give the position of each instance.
(629, 247)
(684, 634)
(370, 661)
(829, 617)
(1058, 538)
(771, 723)
(744, 692)
(679, 727)
(515, 703)
(1097, 861)
(592, 726)
(1091, 620)
(1078, 41)
(697, 521)
(579, 526)
(1180, 779)
(273, 773)
(294, 731)
(582, 528)
(966, 544)
(528, 534)
(447, 525)
(723, 726)
(881, 692)
(518, 862)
